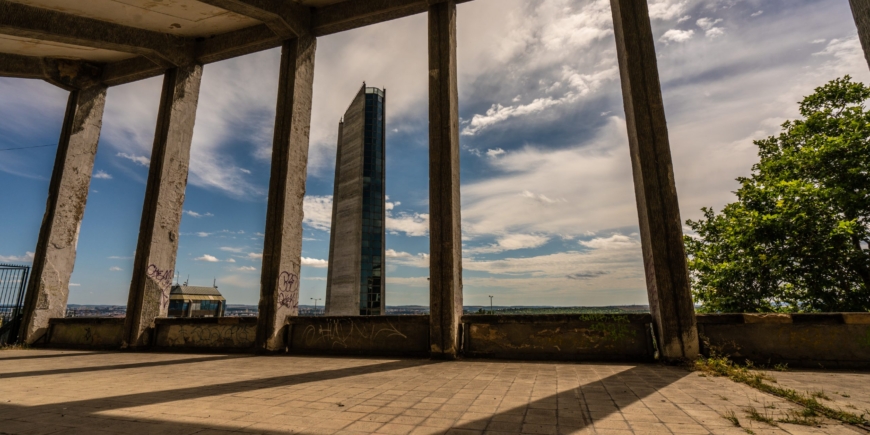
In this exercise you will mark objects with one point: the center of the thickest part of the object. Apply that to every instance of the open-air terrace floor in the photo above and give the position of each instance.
(75, 392)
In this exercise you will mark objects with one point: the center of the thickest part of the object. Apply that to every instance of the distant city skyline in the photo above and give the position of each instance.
(548, 205)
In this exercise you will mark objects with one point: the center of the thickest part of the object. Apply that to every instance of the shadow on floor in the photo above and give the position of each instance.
(119, 366)
(572, 409)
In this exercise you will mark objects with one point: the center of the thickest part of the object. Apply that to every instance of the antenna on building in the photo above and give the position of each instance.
(187, 280)
(215, 283)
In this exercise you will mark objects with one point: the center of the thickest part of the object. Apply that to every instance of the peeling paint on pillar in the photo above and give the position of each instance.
(55, 254)
(445, 237)
(282, 250)
(154, 265)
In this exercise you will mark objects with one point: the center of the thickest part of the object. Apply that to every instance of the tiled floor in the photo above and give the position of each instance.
(59, 392)
(847, 390)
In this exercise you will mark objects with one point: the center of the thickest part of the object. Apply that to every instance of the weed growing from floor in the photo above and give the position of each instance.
(805, 417)
(718, 365)
(820, 395)
(732, 417)
(754, 415)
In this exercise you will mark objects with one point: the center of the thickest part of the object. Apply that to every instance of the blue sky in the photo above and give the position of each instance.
(547, 200)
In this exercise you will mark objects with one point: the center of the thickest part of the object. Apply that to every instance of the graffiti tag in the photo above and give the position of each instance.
(288, 295)
(163, 279)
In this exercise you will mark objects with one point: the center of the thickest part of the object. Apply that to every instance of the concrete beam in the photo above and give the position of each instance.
(47, 25)
(658, 211)
(154, 263)
(445, 235)
(131, 70)
(55, 255)
(282, 249)
(861, 13)
(72, 74)
(350, 15)
(25, 67)
(287, 19)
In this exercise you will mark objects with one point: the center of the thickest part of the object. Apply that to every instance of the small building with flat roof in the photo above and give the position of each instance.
(192, 301)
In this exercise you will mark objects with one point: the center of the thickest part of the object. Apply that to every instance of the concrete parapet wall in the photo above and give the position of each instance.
(222, 333)
(359, 335)
(828, 340)
(590, 337)
(86, 332)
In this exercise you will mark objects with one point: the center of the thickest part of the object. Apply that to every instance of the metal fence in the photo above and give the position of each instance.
(13, 282)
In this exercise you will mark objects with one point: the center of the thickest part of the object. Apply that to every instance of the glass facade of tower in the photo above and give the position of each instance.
(372, 260)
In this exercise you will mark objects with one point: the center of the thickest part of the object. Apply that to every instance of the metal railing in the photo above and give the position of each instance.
(13, 282)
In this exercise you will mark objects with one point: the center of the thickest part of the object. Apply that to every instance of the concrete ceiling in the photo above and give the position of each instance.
(177, 17)
(38, 48)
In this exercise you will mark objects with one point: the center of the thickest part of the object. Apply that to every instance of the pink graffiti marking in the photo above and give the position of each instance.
(287, 294)
(163, 279)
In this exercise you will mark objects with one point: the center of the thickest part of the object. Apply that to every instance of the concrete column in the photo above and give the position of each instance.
(55, 256)
(445, 239)
(661, 232)
(154, 264)
(282, 250)
(861, 13)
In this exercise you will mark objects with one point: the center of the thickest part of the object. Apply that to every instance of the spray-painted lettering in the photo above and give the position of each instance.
(163, 279)
(288, 295)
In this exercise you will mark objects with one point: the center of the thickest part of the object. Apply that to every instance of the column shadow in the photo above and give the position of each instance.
(119, 366)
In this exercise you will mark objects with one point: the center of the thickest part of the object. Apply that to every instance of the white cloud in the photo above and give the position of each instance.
(684, 18)
(755, 14)
(254, 256)
(194, 214)
(232, 249)
(666, 9)
(141, 160)
(203, 234)
(231, 260)
(26, 258)
(318, 212)
(493, 153)
(676, 35)
(511, 242)
(72, 284)
(102, 175)
(392, 253)
(410, 224)
(314, 262)
(246, 269)
(708, 25)
(207, 258)
(540, 197)
(616, 241)
(115, 269)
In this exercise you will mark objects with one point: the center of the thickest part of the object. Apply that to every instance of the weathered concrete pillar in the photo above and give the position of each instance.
(55, 255)
(445, 240)
(861, 13)
(282, 250)
(661, 232)
(154, 264)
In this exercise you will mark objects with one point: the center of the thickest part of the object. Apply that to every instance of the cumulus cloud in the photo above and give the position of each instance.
(511, 242)
(140, 160)
(231, 260)
(194, 214)
(616, 241)
(318, 212)
(676, 35)
(314, 262)
(666, 9)
(102, 175)
(254, 256)
(26, 258)
(246, 269)
(493, 153)
(207, 258)
(115, 269)
(709, 27)
(410, 224)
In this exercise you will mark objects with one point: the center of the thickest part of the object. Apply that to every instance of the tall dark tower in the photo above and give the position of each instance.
(355, 281)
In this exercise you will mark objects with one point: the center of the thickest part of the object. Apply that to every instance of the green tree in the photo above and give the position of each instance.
(796, 239)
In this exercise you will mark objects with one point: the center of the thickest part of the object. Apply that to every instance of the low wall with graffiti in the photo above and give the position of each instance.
(590, 337)
(85, 332)
(359, 335)
(827, 340)
(222, 333)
